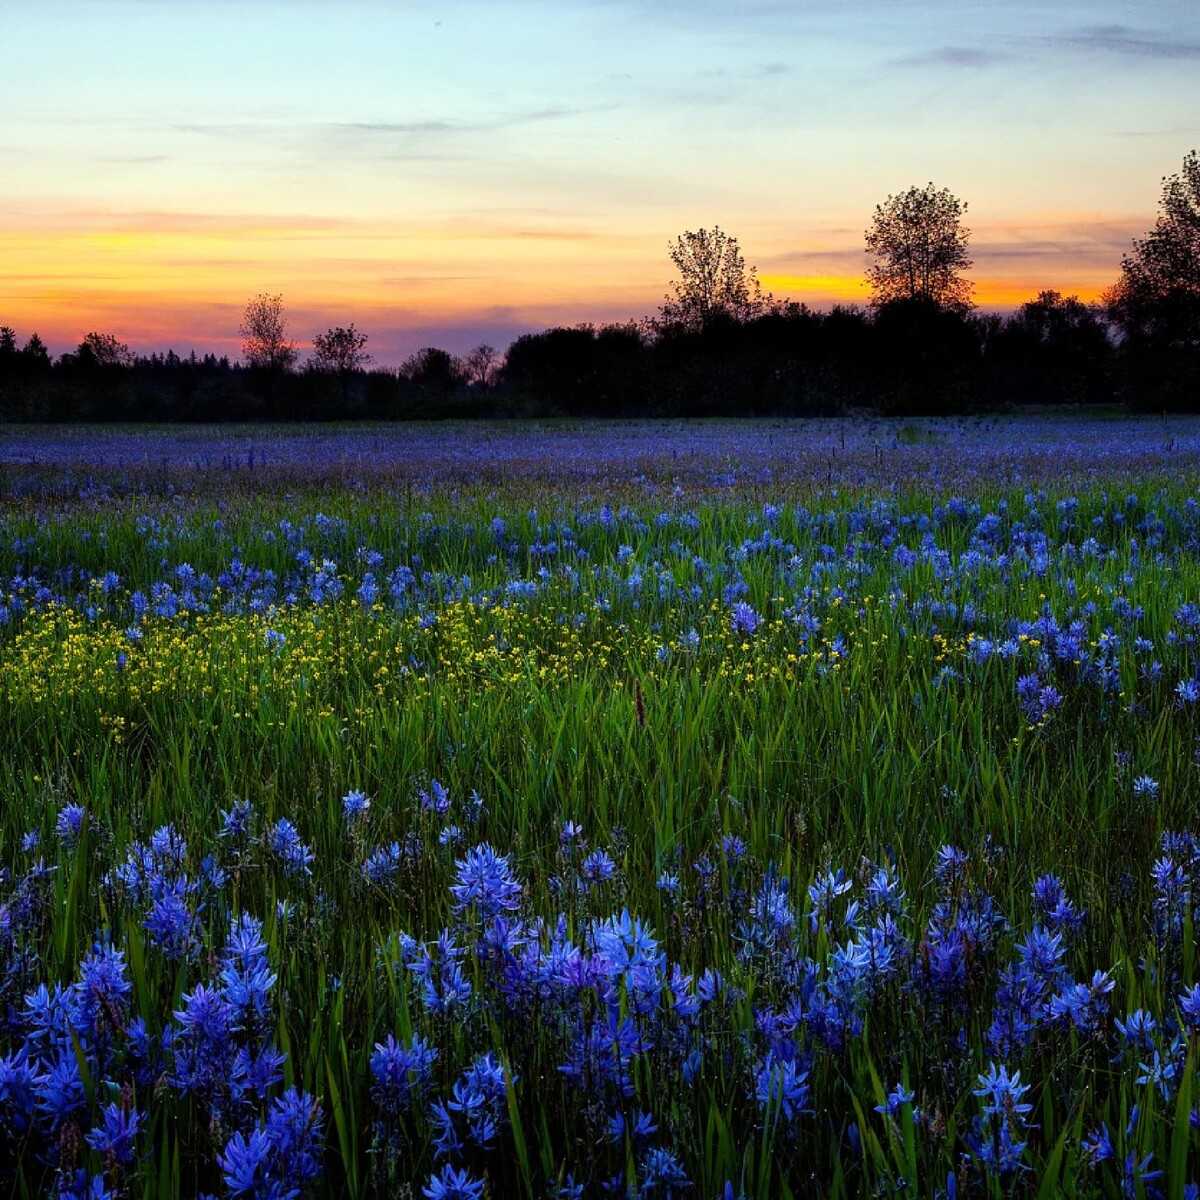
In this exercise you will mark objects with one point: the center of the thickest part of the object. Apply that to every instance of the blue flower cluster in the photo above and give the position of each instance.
(741, 978)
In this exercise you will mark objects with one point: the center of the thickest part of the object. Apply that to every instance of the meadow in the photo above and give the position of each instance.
(722, 810)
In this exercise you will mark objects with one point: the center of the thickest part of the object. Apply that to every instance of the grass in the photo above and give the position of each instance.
(879, 734)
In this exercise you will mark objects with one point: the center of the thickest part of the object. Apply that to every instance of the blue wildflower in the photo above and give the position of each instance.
(115, 1136)
(286, 845)
(453, 1184)
(484, 881)
(354, 807)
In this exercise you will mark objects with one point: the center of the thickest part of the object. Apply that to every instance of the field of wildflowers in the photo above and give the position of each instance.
(720, 811)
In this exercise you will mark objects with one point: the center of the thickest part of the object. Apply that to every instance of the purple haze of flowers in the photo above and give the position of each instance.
(82, 1186)
(18, 1091)
(598, 867)
(246, 975)
(1145, 788)
(663, 1175)
(896, 1099)
(170, 922)
(383, 864)
(235, 824)
(444, 987)
(477, 1107)
(60, 1091)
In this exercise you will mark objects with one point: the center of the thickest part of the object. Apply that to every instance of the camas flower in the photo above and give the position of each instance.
(452, 1184)
(399, 1072)
(286, 845)
(116, 1133)
(484, 881)
(354, 807)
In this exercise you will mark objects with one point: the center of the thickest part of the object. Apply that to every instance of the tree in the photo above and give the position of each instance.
(714, 287)
(481, 364)
(433, 371)
(264, 339)
(1157, 299)
(340, 351)
(1053, 349)
(920, 249)
(35, 352)
(103, 350)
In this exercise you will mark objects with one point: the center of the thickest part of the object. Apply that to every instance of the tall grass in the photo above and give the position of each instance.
(855, 722)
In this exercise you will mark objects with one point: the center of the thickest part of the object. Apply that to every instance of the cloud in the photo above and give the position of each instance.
(1083, 238)
(1127, 41)
(449, 125)
(952, 56)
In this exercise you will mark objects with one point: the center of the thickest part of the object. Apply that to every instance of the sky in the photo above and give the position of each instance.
(463, 172)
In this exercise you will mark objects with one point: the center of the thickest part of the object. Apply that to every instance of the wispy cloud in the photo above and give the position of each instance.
(453, 125)
(953, 56)
(1127, 41)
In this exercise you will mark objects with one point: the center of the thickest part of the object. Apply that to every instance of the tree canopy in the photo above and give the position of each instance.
(265, 344)
(714, 283)
(920, 248)
(1158, 295)
(340, 351)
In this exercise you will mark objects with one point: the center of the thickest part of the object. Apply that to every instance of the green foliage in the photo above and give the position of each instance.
(878, 756)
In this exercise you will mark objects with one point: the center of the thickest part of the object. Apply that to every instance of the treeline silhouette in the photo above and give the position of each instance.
(719, 346)
(908, 357)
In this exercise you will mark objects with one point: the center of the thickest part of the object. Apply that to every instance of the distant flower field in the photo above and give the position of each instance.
(717, 811)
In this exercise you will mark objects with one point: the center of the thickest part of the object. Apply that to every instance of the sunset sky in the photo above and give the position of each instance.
(457, 172)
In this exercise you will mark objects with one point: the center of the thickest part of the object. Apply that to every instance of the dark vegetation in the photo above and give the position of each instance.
(718, 347)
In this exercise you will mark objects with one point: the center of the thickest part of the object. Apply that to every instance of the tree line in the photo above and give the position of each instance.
(718, 345)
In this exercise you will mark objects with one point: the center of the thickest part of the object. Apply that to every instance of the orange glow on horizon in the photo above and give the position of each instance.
(181, 279)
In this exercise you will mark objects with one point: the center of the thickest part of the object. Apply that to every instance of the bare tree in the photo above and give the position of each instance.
(920, 249)
(340, 351)
(264, 334)
(480, 364)
(715, 284)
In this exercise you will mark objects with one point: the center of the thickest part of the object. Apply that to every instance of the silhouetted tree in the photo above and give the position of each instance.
(1054, 349)
(8, 342)
(714, 285)
(920, 249)
(1156, 302)
(264, 335)
(926, 358)
(1159, 289)
(480, 364)
(433, 371)
(35, 352)
(102, 350)
(340, 351)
